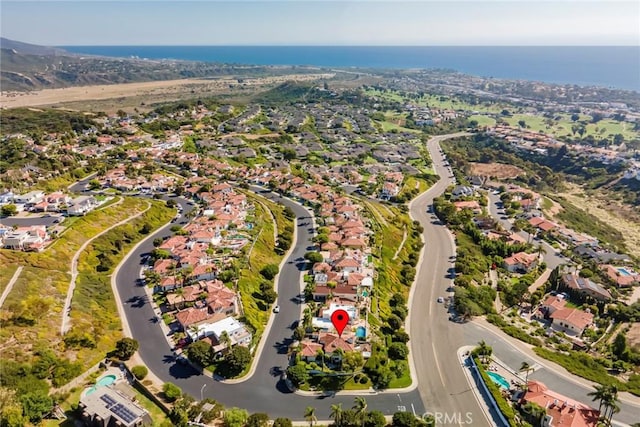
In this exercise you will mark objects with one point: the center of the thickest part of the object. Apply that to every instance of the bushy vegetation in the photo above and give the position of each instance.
(41, 121)
(586, 366)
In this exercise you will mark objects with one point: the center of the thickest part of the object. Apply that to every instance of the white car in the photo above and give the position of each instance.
(276, 309)
(440, 300)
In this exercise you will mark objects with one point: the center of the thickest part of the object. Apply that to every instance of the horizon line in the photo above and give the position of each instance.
(341, 45)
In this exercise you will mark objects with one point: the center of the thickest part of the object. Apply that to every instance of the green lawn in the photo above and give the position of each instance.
(482, 120)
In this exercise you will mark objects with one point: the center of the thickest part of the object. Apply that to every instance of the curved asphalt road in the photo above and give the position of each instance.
(265, 391)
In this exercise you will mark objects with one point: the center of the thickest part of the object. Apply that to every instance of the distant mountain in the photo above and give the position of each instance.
(32, 49)
(25, 67)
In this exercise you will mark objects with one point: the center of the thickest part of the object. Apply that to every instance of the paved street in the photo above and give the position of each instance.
(264, 391)
(442, 385)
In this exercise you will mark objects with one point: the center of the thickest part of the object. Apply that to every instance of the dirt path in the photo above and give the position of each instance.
(66, 311)
(13, 280)
(404, 238)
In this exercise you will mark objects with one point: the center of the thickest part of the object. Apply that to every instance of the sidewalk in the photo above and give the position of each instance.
(526, 349)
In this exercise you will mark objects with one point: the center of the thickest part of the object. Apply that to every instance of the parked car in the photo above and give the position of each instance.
(276, 309)
(440, 299)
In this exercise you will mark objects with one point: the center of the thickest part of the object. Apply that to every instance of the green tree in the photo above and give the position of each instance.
(259, 419)
(314, 257)
(201, 353)
(526, 368)
(269, 271)
(619, 347)
(336, 414)
(9, 210)
(235, 417)
(360, 406)
(403, 419)
(238, 359)
(139, 371)
(94, 184)
(282, 422)
(36, 405)
(125, 348)
(352, 360)
(171, 391)
(375, 419)
(297, 374)
(310, 415)
(398, 351)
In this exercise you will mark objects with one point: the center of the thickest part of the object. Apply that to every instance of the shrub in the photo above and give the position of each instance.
(269, 271)
(171, 391)
(282, 422)
(125, 348)
(235, 417)
(398, 351)
(139, 372)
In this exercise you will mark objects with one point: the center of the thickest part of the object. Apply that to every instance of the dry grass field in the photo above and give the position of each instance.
(497, 170)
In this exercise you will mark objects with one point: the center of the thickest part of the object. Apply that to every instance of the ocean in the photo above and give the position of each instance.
(611, 66)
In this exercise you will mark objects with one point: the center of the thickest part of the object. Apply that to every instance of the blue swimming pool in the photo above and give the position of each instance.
(361, 332)
(623, 271)
(498, 379)
(102, 382)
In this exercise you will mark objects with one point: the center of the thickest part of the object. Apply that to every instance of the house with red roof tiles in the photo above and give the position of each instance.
(571, 321)
(521, 262)
(561, 411)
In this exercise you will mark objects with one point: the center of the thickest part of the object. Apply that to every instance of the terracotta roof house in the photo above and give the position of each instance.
(571, 321)
(309, 350)
(621, 276)
(561, 411)
(521, 262)
(472, 204)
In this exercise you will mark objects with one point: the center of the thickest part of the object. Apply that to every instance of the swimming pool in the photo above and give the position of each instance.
(102, 382)
(361, 332)
(498, 379)
(623, 271)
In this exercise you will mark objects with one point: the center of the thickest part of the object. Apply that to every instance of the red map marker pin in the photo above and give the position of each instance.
(340, 318)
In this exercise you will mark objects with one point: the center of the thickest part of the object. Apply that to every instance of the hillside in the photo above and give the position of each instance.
(28, 67)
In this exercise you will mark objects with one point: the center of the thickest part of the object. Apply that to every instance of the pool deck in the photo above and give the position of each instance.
(118, 373)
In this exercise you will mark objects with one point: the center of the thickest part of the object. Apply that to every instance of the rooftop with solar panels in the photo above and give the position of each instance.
(107, 407)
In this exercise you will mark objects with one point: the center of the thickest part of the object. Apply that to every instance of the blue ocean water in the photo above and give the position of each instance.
(608, 66)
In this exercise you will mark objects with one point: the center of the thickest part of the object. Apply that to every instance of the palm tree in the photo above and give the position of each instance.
(600, 394)
(611, 403)
(526, 368)
(336, 414)
(225, 340)
(310, 415)
(484, 350)
(360, 406)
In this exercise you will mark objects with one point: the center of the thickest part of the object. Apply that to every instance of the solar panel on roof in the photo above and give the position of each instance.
(107, 399)
(123, 413)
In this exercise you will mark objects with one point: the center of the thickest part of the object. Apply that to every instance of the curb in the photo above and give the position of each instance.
(267, 328)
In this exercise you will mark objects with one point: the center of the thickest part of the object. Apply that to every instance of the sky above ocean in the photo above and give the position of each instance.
(326, 22)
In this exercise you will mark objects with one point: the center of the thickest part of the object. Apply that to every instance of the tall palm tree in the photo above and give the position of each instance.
(360, 406)
(600, 394)
(484, 350)
(611, 404)
(336, 414)
(526, 368)
(310, 415)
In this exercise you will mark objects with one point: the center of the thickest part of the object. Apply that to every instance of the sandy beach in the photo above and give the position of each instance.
(51, 97)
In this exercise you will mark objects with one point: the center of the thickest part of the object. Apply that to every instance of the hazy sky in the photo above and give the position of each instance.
(302, 22)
